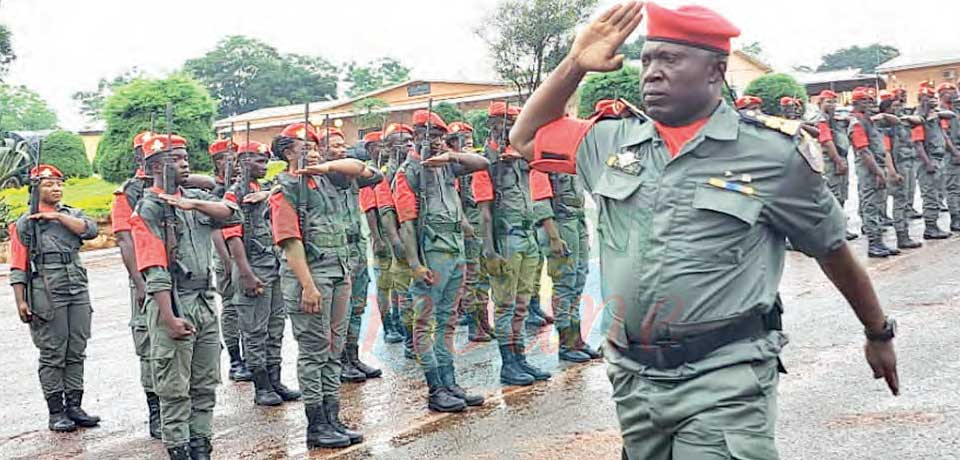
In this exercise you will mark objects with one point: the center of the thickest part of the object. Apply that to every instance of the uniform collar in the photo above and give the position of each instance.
(724, 125)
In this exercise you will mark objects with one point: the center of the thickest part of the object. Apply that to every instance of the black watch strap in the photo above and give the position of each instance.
(888, 333)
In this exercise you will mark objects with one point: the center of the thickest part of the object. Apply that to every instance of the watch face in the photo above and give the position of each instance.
(892, 327)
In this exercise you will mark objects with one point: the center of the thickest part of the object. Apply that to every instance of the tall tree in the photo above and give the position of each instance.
(6, 50)
(865, 58)
(246, 74)
(528, 38)
(374, 75)
(91, 102)
(23, 109)
(369, 112)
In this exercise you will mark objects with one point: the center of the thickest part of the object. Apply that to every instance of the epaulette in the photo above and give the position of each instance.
(788, 127)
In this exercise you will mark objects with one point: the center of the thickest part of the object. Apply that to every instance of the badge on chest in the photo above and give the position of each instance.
(626, 161)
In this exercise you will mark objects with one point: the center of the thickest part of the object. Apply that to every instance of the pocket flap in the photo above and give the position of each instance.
(750, 446)
(729, 202)
(617, 185)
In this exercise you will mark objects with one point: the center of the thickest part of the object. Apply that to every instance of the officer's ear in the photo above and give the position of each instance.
(717, 68)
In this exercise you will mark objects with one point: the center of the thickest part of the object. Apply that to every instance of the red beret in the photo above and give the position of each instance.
(691, 25)
(420, 119)
(460, 127)
(332, 131)
(394, 128)
(254, 147)
(787, 100)
(748, 100)
(297, 131)
(162, 143)
(45, 171)
(900, 90)
(887, 95)
(926, 89)
(861, 94)
(139, 139)
(221, 146)
(946, 86)
(609, 107)
(827, 94)
(497, 109)
(375, 136)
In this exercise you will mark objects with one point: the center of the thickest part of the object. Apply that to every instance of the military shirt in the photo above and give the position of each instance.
(512, 205)
(468, 200)
(61, 272)
(901, 141)
(697, 240)
(556, 195)
(935, 141)
(429, 196)
(125, 199)
(255, 231)
(864, 134)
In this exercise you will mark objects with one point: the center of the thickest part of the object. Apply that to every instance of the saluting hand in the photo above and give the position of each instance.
(48, 215)
(595, 48)
(256, 197)
(883, 360)
(179, 202)
(437, 161)
(315, 170)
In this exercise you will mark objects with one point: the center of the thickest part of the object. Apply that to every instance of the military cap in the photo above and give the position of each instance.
(691, 25)
(45, 171)
(221, 146)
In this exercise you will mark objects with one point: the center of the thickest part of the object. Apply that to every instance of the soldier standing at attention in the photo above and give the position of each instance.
(835, 145)
(692, 256)
(946, 93)
(333, 147)
(511, 253)
(310, 226)
(931, 151)
(258, 299)
(125, 199)
(181, 308)
(50, 288)
(430, 215)
(898, 132)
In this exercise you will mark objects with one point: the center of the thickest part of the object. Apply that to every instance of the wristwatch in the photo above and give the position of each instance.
(888, 333)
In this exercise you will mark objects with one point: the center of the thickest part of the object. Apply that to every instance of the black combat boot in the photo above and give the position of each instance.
(851, 236)
(320, 434)
(264, 394)
(181, 452)
(238, 370)
(521, 360)
(59, 421)
(933, 232)
(348, 371)
(448, 376)
(914, 214)
(286, 394)
(407, 341)
(76, 413)
(876, 248)
(484, 319)
(955, 222)
(891, 251)
(331, 407)
(535, 319)
(510, 371)
(391, 333)
(582, 345)
(200, 448)
(477, 333)
(370, 372)
(439, 398)
(904, 241)
(568, 351)
(153, 411)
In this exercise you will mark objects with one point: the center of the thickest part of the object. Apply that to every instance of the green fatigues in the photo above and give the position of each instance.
(905, 157)
(132, 191)
(320, 336)
(229, 317)
(872, 199)
(440, 240)
(476, 282)
(262, 318)
(839, 184)
(59, 300)
(360, 275)
(951, 173)
(383, 259)
(935, 144)
(568, 273)
(685, 249)
(186, 371)
(515, 239)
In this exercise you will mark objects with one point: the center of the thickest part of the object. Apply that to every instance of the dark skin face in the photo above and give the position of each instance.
(401, 141)
(680, 84)
(179, 158)
(300, 148)
(373, 150)
(437, 145)
(336, 149)
(256, 164)
(790, 112)
(828, 105)
(496, 128)
(467, 142)
(927, 103)
(51, 192)
(948, 97)
(868, 106)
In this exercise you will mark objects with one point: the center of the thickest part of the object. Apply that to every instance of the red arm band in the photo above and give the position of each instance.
(825, 134)
(405, 199)
(859, 137)
(120, 213)
(368, 199)
(283, 219)
(148, 247)
(540, 187)
(18, 252)
(556, 143)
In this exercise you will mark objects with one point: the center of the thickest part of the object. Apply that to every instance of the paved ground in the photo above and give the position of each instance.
(830, 406)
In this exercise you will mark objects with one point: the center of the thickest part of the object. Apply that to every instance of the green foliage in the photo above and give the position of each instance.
(274, 168)
(772, 87)
(623, 83)
(632, 50)
(66, 151)
(91, 102)
(6, 217)
(370, 112)
(866, 58)
(478, 119)
(528, 38)
(246, 74)
(377, 74)
(448, 112)
(24, 110)
(127, 112)
(7, 55)
(92, 194)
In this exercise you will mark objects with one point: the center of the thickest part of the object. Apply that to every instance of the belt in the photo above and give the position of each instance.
(56, 258)
(669, 354)
(190, 284)
(444, 227)
(328, 240)
(573, 201)
(353, 239)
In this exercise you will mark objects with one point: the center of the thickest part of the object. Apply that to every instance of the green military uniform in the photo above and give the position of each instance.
(691, 245)
(59, 301)
(839, 184)
(935, 144)
(951, 174)
(389, 318)
(399, 274)
(186, 371)
(904, 155)
(872, 199)
(476, 286)
(229, 317)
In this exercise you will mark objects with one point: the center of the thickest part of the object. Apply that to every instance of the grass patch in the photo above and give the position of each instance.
(92, 194)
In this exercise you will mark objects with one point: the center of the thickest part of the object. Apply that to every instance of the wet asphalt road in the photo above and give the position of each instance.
(830, 407)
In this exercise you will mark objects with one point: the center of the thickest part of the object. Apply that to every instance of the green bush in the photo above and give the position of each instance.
(478, 119)
(623, 83)
(66, 151)
(93, 195)
(448, 112)
(128, 111)
(772, 87)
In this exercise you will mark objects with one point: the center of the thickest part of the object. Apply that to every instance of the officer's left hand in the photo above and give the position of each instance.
(559, 247)
(883, 360)
(437, 161)
(49, 215)
(179, 202)
(24, 311)
(257, 197)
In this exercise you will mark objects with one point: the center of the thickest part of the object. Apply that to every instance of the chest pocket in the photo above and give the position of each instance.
(720, 226)
(626, 202)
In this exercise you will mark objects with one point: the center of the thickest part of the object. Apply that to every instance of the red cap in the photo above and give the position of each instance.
(861, 94)
(45, 171)
(162, 143)
(460, 127)
(787, 100)
(139, 139)
(297, 131)
(221, 146)
(420, 119)
(926, 89)
(609, 107)
(946, 86)
(498, 108)
(899, 91)
(254, 147)
(332, 131)
(827, 94)
(394, 128)
(375, 136)
(691, 25)
(748, 100)
(887, 95)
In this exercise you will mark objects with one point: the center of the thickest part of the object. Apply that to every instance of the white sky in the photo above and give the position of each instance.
(67, 45)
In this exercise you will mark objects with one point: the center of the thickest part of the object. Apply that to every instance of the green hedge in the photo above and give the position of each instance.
(66, 151)
(772, 87)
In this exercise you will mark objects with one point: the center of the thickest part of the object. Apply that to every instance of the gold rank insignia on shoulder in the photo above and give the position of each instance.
(811, 152)
(732, 186)
(788, 127)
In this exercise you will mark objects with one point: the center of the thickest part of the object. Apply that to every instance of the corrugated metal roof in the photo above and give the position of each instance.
(926, 58)
(829, 76)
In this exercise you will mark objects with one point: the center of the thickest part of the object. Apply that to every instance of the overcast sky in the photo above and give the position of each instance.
(67, 45)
